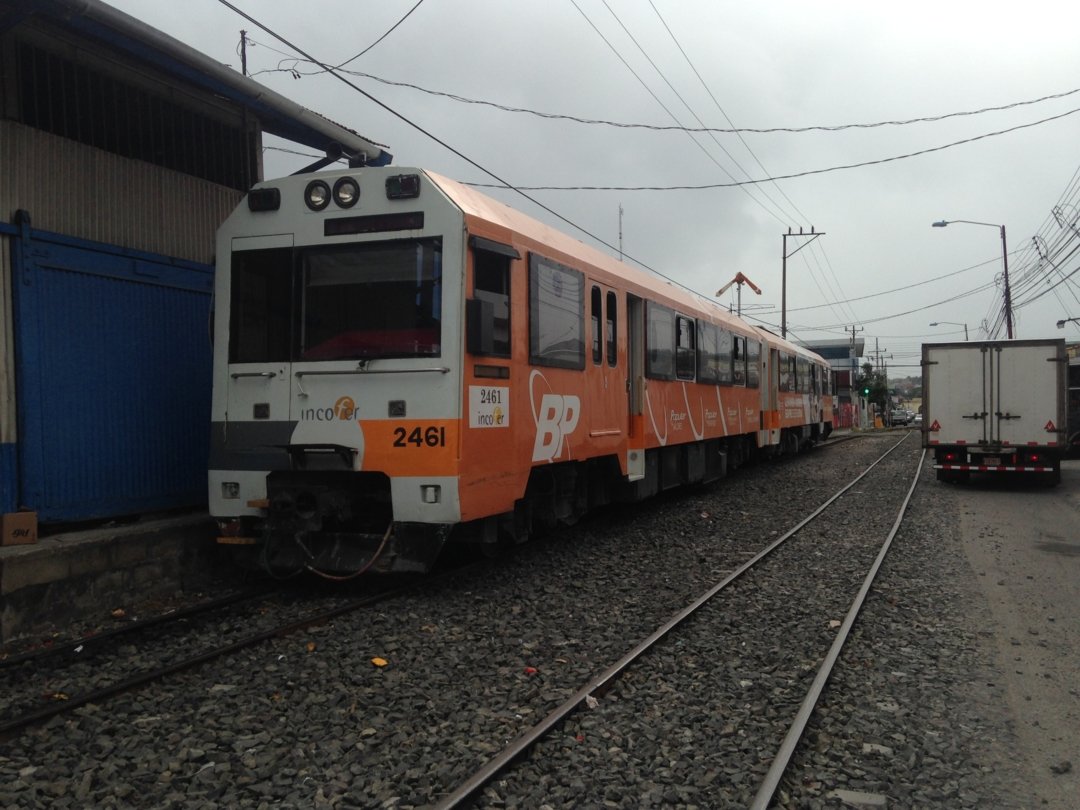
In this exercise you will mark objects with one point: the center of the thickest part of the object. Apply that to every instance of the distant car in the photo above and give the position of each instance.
(898, 417)
(917, 420)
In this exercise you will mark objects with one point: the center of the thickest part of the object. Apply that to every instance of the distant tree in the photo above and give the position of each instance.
(871, 386)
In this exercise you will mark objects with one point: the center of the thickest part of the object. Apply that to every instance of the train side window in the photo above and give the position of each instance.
(708, 355)
(556, 314)
(685, 348)
(723, 356)
(738, 360)
(595, 304)
(261, 306)
(659, 342)
(753, 362)
(612, 332)
(786, 372)
(802, 368)
(491, 288)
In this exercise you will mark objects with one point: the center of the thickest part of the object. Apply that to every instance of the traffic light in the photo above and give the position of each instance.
(866, 390)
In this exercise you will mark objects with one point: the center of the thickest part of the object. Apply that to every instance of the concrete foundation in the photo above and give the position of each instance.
(76, 576)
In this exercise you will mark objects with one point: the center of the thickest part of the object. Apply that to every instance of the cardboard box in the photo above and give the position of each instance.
(17, 528)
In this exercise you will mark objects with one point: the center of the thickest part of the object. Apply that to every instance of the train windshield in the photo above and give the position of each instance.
(358, 301)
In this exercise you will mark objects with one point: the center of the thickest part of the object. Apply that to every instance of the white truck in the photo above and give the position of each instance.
(995, 406)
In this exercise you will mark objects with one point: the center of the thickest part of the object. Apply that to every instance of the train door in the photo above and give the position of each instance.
(635, 387)
(606, 386)
(770, 398)
(258, 381)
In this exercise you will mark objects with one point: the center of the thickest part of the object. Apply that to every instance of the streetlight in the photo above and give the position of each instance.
(952, 323)
(1063, 321)
(1004, 259)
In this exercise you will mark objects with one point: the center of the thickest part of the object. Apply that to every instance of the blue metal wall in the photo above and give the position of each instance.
(113, 363)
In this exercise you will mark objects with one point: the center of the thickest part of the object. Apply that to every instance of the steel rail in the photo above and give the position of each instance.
(78, 646)
(13, 727)
(802, 717)
(523, 742)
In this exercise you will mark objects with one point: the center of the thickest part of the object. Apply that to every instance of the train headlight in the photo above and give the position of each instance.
(317, 195)
(346, 192)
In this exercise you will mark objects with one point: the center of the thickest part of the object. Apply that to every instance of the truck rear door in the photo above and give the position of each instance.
(957, 394)
(1023, 401)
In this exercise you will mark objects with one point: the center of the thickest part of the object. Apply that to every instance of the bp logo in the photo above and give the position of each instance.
(556, 418)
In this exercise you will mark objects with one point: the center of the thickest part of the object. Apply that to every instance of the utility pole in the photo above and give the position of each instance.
(851, 349)
(1008, 292)
(620, 232)
(783, 280)
(879, 354)
(243, 52)
(854, 362)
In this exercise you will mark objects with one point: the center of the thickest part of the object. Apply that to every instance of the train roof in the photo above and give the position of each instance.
(477, 205)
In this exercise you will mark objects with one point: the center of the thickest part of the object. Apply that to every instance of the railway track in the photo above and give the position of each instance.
(467, 666)
(41, 684)
(592, 694)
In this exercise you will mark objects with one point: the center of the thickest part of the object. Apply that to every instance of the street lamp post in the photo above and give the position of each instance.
(1063, 321)
(952, 323)
(1004, 260)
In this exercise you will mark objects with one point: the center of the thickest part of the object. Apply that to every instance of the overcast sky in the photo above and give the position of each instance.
(880, 266)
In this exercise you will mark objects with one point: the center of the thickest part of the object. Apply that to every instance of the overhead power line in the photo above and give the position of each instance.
(809, 172)
(678, 128)
(502, 183)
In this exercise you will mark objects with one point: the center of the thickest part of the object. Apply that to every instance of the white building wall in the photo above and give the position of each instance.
(85, 192)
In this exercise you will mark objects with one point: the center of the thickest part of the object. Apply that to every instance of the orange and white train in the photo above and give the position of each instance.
(402, 361)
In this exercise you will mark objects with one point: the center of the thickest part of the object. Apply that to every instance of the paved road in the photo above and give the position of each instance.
(1023, 544)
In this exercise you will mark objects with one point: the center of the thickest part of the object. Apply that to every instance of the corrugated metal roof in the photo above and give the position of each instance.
(277, 114)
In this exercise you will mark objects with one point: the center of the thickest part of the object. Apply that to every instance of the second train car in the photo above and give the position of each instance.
(401, 362)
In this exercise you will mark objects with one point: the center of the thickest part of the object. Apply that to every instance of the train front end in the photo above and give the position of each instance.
(337, 373)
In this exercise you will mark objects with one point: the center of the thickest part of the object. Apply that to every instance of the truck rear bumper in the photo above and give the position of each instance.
(992, 468)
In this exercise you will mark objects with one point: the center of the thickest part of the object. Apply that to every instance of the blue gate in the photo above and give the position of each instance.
(113, 368)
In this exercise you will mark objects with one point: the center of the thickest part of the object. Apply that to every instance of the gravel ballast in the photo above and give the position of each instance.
(913, 712)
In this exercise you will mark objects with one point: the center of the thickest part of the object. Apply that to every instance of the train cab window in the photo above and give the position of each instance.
(611, 332)
(491, 289)
(659, 342)
(753, 363)
(738, 360)
(373, 299)
(685, 348)
(261, 306)
(595, 307)
(556, 314)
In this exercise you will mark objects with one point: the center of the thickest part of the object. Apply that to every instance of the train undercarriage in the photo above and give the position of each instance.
(339, 524)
